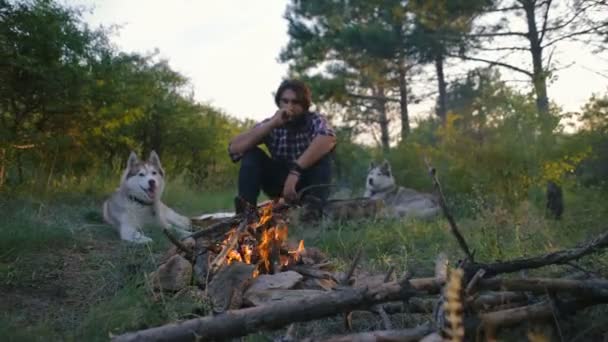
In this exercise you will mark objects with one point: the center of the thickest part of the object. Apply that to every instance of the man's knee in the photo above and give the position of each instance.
(253, 158)
(321, 171)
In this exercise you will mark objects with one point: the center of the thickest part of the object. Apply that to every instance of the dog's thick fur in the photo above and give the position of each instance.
(398, 201)
(137, 201)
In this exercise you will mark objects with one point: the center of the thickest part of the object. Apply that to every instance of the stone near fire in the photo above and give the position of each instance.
(201, 268)
(257, 298)
(188, 242)
(173, 275)
(227, 286)
(281, 280)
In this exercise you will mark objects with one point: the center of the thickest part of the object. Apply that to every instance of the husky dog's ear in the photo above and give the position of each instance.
(132, 161)
(385, 167)
(371, 165)
(154, 160)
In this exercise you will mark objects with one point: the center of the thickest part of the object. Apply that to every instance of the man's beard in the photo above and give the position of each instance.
(297, 123)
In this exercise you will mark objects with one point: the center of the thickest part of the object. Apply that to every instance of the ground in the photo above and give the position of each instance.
(66, 276)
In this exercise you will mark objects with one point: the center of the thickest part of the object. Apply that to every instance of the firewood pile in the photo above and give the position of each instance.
(256, 279)
(245, 260)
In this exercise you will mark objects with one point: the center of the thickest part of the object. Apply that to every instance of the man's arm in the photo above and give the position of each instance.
(253, 137)
(247, 140)
(319, 147)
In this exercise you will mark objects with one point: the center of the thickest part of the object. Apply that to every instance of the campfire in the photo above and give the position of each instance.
(262, 243)
(246, 260)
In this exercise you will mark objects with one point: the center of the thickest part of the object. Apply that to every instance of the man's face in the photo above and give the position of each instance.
(290, 104)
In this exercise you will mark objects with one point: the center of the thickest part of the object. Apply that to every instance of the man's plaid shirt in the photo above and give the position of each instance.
(286, 144)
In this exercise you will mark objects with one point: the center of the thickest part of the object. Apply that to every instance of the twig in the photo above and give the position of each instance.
(352, 268)
(552, 303)
(559, 257)
(380, 308)
(221, 258)
(179, 244)
(473, 283)
(385, 319)
(453, 227)
(389, 274)
(348, 316)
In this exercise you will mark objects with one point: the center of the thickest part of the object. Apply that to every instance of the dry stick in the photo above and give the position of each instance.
(559, 257)
(444, 207)
(552, 300)
(235, 323)
(179, 244)
(379, 309)
(580, 288)
(542, 310)
(471, 286)
(348, 317)
(352, 268)
(221, 258)
(223, 226)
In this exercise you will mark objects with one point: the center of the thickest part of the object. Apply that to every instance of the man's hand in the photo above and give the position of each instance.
(280, 118)
(289, 189)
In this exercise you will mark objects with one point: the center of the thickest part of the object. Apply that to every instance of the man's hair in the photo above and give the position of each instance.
(302, 91)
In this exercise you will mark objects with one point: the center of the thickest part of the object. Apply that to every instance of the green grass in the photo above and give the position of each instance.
(65, 276)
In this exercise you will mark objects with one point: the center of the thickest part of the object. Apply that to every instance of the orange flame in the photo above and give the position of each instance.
(261, 251)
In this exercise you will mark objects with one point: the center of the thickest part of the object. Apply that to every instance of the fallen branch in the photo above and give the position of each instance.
(597, 289)
(542, 310)
(237, 323)
(560, 257)
(403, 335)
(446, 212)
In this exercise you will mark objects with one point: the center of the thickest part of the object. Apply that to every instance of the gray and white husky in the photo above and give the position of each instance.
(137, 201)
(398, 201)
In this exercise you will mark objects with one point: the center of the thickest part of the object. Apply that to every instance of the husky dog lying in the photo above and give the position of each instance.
(399, 201)
(137, 201)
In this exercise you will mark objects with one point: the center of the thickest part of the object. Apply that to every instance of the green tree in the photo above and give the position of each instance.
(359, 47)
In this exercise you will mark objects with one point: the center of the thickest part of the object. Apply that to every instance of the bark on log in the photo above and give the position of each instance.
(597, 289)
(242, 322)
(542, 310)
(401, 335)
(560, 257)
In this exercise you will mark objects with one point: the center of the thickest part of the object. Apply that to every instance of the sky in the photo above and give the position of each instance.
(229, 49)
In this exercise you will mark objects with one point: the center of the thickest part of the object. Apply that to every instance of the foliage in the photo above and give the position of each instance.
(490, 144)
(71, 105)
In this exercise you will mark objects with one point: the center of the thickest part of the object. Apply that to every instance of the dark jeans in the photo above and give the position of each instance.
(259, 172)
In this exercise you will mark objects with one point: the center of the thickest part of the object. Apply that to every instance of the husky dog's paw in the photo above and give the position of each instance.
(183, 222)
(140, 238)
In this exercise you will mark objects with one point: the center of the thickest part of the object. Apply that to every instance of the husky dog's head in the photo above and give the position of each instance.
(144, 180)
(379, 178)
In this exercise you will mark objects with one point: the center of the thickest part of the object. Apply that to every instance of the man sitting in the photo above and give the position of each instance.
(299, 142)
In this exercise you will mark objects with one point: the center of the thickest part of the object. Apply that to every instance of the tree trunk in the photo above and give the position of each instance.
(383, 120)
(405, 120)
(539, 78)
(442, 100)
(2, 166)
